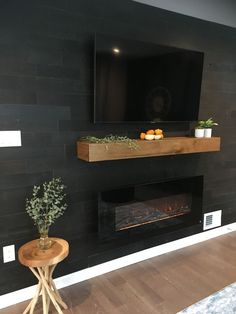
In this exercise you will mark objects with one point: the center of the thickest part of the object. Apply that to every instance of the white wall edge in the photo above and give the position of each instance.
(85, 274)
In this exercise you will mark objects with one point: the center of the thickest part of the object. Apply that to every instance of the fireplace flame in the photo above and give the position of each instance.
(146, 212)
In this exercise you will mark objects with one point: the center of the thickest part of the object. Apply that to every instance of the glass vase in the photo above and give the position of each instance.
(44, 242)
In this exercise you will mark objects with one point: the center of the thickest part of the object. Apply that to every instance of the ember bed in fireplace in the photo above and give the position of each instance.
(157, 206)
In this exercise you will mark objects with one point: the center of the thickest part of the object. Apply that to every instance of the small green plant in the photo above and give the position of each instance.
(206, 124)
(112, 139)
(199, 127)
(47, 203)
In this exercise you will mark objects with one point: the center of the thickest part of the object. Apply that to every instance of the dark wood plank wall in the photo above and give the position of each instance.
(46, 91)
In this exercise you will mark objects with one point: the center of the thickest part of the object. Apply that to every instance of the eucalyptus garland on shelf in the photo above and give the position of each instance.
(132, 144)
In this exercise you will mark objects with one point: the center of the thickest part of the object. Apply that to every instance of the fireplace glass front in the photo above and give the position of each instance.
(159, 205)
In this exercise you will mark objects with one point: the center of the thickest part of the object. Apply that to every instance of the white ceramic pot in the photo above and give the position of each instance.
(207, 132)
(199, 132)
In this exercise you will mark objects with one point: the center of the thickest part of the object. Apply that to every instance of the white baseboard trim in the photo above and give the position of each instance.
(73, 278)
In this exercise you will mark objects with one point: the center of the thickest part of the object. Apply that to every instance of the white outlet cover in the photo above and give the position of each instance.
(10, 138)
(9, 253)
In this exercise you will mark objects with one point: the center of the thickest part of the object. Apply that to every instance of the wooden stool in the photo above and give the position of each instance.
(42, 264)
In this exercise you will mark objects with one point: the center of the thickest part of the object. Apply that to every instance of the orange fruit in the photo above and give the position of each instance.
(150, 132)
(158, 131)
(142, 136)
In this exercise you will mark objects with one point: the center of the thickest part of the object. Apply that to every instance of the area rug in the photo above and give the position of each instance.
(221, 302)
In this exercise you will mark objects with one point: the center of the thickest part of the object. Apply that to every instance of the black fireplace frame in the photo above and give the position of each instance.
(106, 216)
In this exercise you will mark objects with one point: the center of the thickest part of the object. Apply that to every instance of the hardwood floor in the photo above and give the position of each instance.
(164, 284)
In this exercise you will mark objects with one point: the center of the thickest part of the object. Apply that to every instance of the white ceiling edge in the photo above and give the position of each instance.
(218, 11)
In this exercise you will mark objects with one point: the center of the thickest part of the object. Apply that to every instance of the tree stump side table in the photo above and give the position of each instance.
(42, 264)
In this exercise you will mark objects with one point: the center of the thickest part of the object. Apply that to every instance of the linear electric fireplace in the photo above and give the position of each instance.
(158, 206)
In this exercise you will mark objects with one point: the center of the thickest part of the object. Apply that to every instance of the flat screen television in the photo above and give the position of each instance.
(138, 81)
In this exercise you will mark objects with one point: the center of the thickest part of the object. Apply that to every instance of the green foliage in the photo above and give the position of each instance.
(47, 203)
(112, 139)
(205, 124)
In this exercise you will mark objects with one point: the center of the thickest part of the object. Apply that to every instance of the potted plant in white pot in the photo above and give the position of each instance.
(45, 206)
(207, 126)
(199, 131)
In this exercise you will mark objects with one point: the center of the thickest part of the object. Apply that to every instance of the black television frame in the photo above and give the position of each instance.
(131, 122)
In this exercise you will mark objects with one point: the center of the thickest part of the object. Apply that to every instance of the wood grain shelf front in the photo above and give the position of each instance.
(92, 152)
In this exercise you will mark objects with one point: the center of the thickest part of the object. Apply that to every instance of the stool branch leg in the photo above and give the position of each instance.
(57, 295)
(49, 291)
(47, 288)
(35, 299)
(47, 273)
(33, 302)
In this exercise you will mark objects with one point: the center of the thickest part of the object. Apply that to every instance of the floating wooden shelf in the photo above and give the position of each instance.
(168, 146)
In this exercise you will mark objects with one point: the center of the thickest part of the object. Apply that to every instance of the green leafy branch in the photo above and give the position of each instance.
(112, 139)
(209, 123)
(47, 203)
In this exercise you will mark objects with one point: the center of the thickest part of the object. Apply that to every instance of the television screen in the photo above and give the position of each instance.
(145, 82)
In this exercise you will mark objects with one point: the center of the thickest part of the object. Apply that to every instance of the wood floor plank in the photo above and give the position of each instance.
(161, 285)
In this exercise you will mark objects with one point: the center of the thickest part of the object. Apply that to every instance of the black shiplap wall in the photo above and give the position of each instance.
(46, 91)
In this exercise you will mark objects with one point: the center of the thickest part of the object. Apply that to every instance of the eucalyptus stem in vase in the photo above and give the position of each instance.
(45, 206)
